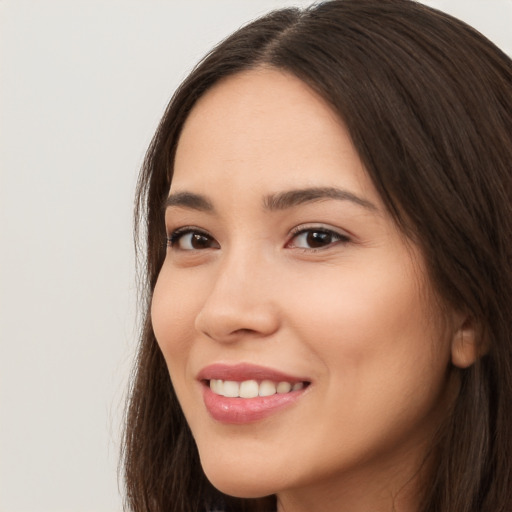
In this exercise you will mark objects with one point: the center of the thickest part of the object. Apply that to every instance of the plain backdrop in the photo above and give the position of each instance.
(83, 85)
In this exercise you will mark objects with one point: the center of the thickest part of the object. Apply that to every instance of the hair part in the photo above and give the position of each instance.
(427, 101)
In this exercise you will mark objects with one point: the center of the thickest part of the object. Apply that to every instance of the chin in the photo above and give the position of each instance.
(239, 483)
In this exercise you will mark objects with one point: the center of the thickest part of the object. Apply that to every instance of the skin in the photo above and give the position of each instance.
(355, 315)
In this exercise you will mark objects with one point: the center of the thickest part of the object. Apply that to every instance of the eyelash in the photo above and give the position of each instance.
(179, 233)
(338, 238)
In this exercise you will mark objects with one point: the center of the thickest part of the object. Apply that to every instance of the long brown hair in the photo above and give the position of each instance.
(427, 101)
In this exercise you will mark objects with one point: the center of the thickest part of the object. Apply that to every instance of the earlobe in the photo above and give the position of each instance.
(466, 347)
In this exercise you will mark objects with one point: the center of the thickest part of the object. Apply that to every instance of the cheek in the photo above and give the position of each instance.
(384, 363)
(371, 333)
(172, 317)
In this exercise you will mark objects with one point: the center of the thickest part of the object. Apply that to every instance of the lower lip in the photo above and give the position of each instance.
(246, 410)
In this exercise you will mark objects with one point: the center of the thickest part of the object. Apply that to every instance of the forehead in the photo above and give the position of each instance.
(271, 125)
(261, 92)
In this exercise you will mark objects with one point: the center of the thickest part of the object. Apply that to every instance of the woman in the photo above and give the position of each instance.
(328, 326)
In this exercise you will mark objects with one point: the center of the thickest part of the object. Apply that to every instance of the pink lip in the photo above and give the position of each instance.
(245, 371)
(245, 410)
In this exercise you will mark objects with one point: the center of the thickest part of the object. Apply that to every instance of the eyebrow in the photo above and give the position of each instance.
(291, 198)
(272, 202)
(189, 200)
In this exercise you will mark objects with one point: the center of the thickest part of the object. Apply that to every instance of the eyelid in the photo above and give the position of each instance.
(343, 236)
(174, 236)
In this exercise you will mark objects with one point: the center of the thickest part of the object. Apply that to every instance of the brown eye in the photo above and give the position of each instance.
(317, 238)
(190, 240)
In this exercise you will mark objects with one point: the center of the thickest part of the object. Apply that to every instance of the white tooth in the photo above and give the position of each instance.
(217, 385)
(231, 389)
(248, 389)
(267, 388)
(284, 387)
(297, 386)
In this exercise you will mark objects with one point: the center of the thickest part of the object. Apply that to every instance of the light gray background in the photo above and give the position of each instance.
(83, 85)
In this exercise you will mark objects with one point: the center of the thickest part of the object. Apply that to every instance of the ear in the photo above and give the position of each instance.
(466, 348)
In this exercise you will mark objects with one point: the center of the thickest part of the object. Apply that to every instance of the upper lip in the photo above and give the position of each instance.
(245, 371)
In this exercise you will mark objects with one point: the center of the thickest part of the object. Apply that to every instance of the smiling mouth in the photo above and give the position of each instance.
(245, 393)
(252, 388)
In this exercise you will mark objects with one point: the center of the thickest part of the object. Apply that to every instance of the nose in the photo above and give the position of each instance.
(240, 302)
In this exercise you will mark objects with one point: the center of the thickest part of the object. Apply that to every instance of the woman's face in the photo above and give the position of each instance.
(285, 277)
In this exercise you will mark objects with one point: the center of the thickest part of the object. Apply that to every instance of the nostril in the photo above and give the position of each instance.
(244, 331)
